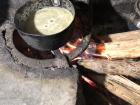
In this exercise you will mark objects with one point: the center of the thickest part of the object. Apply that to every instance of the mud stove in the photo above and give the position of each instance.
(32, 77)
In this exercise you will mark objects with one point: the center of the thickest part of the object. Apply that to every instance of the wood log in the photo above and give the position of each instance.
(120, 67)
(119, 86)
(120, 45)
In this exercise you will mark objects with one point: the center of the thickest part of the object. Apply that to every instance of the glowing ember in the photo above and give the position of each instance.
(100, 48)
(90, 82)
(77, 58)
(93, 50)
(70, 46)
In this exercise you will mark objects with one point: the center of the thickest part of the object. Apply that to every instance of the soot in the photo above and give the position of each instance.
(28, 51)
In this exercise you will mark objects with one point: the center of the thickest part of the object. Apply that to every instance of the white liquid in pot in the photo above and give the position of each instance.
(49, 21)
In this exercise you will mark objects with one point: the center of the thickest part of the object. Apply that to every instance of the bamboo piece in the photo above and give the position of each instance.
(120, 67)
(120, 45)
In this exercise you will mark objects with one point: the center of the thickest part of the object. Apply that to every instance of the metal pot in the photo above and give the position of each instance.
(37, 41)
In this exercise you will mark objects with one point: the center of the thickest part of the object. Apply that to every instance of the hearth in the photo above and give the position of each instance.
(82, 72)
(22, 52)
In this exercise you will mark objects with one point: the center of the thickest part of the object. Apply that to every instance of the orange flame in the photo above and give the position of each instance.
(100, 48)
(70, 46)
(90, 82)
(93, 50)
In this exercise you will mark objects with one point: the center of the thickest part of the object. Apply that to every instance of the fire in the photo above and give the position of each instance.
(100, 48)
(90, 82)
(93, 50)
(88, 53)
(70, 46)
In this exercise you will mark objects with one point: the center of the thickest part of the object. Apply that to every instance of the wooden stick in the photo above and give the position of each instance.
(119, 86)
(121, 67)
(125, 36)
(120, 45)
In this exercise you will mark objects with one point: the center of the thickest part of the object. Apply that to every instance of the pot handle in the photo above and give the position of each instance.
(56, 2)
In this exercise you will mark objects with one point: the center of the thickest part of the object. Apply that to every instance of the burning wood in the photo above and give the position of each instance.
(70, 46)
(90, 82)
(120, 45)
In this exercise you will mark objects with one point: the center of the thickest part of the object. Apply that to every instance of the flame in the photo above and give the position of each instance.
(90, 82)
(70, 46)
(77, 58)
(100, 48)
(93, 50)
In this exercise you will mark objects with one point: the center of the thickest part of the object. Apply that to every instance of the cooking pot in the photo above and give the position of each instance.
(36, 40)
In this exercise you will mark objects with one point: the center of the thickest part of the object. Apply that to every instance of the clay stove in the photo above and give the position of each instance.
(43, 81)
(54, 69)
(39, 79)
(35, 80)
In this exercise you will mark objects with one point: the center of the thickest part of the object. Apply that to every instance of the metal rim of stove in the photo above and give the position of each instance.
(45, 63)
(137, 6)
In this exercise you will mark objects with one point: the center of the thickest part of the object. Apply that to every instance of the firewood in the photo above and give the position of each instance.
(120, 67)
(120, 45)
(119, 86)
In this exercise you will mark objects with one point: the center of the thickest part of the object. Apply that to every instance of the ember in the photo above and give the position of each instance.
(70, 46)
(88, 53)
(90, 82)
(93, 50)
(57, 79)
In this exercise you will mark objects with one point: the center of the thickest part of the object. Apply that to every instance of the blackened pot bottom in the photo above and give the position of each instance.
(20, 52)
(28, 51)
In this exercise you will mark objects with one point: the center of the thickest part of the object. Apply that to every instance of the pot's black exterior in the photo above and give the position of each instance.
(42, 42)
(47, 43)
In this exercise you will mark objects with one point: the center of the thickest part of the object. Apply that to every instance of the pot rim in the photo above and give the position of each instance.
(30, 34)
